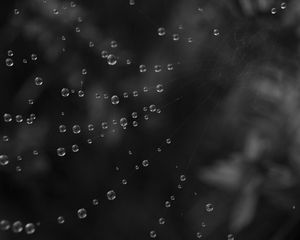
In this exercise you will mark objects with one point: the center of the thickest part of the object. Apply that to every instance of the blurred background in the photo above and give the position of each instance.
(206, 91)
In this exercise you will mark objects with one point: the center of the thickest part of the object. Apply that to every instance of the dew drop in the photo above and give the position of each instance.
(143, 68)
(152, 234)
(82, 213)
(38, 81)
(29, 228)
(61, 151)
(115, 100)
(4, 225)
(111, 59)
(60, 219)
(17, 227)
(9, 62)
(161, 221)
(76, 129)
(95, 202)
(216, 32)
(273, 11)
(159, 88)
(161, 31)
(4, 160)
(145, 163)
(7, 117)
(209, 207)
(65, 92)
(111, 195)
(230, 236)
(123, 122)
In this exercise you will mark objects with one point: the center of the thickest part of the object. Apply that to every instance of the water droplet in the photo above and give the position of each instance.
(182, 178)
(111, 195)
(76, 129)
(91, 127)
(170, 67)
(176, 37)
(19, 118)
(161, 221)
(152, 234)
(152, 108)
(104, 125)
(95, 202)
(113, 44)
(17, 227)
(230, 237)
(4, 225)
(60, 220)
(216, 32)
(167, 204)
(16, 11)
(38, 81)
(159, 88)
(123, 122)
(115, 99)
(161, 31)
(157, 68)
(29, 228)
(273, 11)
(81, 93)
(33, 57)
(10, 53)
(7, 117)
(131, 2)
(111, 59)
(199, 235)
(82, 213)
(83, 71)
(209, 207)
(62, 128)
(9, 62)
(65, 92)
(283, 5)
(75, 148)
(143, 68)
(145, 163)
(61, 151)
(4, 160)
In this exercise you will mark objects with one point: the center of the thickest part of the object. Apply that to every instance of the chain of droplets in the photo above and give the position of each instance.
(111, 60)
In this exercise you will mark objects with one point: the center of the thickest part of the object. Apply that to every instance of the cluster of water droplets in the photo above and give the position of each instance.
(114, 99)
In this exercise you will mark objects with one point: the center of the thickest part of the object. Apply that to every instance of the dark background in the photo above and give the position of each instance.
(230, 106)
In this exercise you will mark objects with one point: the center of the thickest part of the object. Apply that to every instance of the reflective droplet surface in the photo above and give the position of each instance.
(17, 227)
(65, 92)
(161, 31)
(152, 234)
(60, 220)
(61, 151)
(115, 100)
(9, 62)
(4, 225)
(38, 81)
(7, 117)
(111, 59)
(209, 207)
(76, 129)
(111, 195)
(29, 228)
(4, 160)
(82, 213)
